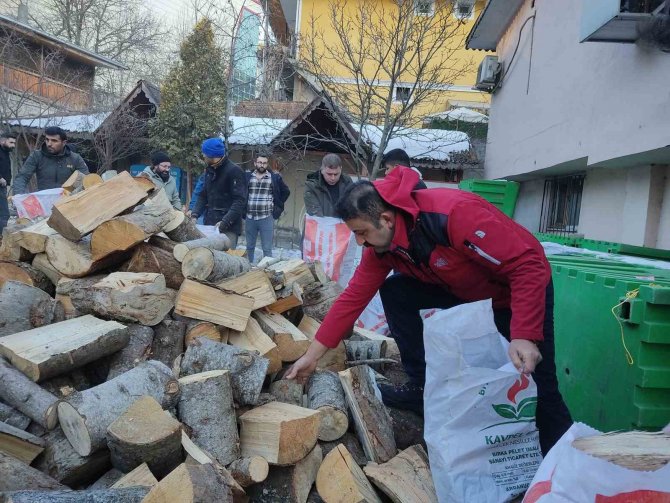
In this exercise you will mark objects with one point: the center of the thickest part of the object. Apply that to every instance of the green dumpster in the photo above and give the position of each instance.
(501, 193)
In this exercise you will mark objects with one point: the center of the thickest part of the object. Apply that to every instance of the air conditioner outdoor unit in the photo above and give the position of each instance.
(488, 74)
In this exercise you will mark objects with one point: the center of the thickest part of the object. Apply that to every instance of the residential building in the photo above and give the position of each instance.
(580, 117)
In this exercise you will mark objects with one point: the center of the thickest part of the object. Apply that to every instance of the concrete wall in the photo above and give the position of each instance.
(663, 240)
(529, 203)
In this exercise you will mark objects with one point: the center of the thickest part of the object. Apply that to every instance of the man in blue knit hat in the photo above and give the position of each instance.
(225, 193)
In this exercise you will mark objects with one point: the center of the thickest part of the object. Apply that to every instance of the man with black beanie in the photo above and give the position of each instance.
(7, 144)
(159, 173)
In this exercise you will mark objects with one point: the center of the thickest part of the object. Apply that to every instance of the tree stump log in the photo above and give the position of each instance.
(12, 416)
(136, 351)
(212, 266)
(168, 341)
(73, 258)
(325, 394)
(24, 307)
(218, 242)
(287, 391)
(249, 471)
(148, 258)
(182, 228)
(197, 329)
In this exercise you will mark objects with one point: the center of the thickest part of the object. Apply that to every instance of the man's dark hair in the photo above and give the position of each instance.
(263, 153)
(331, 160)
(8, 134)
(55, 131)
(361, 200)
(395, 157)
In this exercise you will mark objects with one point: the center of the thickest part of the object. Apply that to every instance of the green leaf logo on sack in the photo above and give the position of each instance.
(523, 412)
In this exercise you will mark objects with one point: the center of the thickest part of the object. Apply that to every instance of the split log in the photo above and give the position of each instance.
(325, 394)
(148, 258)
(288, 298)
(26, 274)
(283, 434)
(77, 215)
(287, 391)
(292, 343)
(19, 444)
(10, 415)
(290, 484)
(294, 271)
(144, 433)
(247, 370)
(317, 299)
(125, 296)
(136, 351)
(34, 237)
(86, 415)
(372, 420)
(91, 180)
(74, 182)
(24, 307)
(107, 480)
(254, 339)
(126, 495)
(635, 450)
(55, 349)
(191, 484)
(406, 477)
(341, 479)
(197, 329)
(206, 407)
(334, 358)
(140, 476)
(254, 284)
(249, 471)
(168, 341)
(74, 259)
(218, 242)
(366, 350)
(267, 261)
(122, 233)
(182, 228)
(318, 272)
(145, 183)
(203, 302)
(164, 243)
(18, 476)
(212, 266)
(352, 444)
(41, 263)
(26, 396)
(61, 462)
(9, 248)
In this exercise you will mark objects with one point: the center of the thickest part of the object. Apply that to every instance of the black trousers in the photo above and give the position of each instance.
(4, 209)
(403, 297)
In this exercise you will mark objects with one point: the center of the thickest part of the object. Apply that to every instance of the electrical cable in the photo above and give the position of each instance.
(518, 42)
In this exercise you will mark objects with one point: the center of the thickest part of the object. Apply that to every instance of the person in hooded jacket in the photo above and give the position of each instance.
(323, 187)
(52, 164)
(446, 247)
(159, 173)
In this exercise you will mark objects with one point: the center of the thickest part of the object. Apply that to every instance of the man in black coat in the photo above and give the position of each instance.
(225, 193)
(7, 144)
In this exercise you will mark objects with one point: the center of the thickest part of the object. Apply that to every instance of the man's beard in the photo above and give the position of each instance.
(165, 176)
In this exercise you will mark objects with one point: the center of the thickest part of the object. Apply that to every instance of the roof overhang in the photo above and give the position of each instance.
(492, 24)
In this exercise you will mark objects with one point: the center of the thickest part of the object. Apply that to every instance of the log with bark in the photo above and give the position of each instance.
(144, 433)
(202, 302)
(138, 349)
(372, 420)
(107, 480)
(254, 284)
(73, 258)
(168, 341)
(130, 297)
(195, 329)
(12, 416)
(206, 408)
(218, 242)
(25, 273)
(18, 476)
(254, 339)
(55, 349)
(294, 270)
(341, 479)
(182, 228)
(318, 272)
(140, 476)
(247, 369)
(61, 462)
(191, 484)
(249, 471)
(145, 183)
(77, 215)
(126, 231)
(34, 237)
(86, 415)
(10, 248)
(24, 307)
(289, 297)
(126, 495)
(366, 351)
(292, 343)
(20, 444)
(317, 299)
(283, 434)
(335, 358)
(406, 477)
(325, 394)
(27, 397)
(290, 484)
(287, 391)
(41, 263)
(213, 266)
(149, 258)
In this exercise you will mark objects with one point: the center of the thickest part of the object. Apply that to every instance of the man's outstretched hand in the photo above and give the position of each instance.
(306, 364)
(525, 355)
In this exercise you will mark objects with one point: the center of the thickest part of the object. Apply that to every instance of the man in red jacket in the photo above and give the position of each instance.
(446, 247)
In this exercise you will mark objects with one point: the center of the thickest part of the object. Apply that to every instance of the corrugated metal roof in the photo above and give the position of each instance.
(70, 123)
(492, 24)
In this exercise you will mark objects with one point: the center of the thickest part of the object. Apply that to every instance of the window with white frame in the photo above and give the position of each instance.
(424, 7)
(464, 9)
(402, 94)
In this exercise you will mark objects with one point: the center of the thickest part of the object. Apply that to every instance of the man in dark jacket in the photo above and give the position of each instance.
(7, 144)
(52, 164)
(323, 187)
(225, 193)
(398, 157)
(446, 247)
(267, 194)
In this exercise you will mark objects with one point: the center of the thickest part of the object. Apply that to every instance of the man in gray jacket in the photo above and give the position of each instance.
(52, 164)
(159, 173)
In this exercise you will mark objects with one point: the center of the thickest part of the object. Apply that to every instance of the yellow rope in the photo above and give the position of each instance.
(629, 295)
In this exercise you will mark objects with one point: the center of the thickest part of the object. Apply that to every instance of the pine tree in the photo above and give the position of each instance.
(193, 100)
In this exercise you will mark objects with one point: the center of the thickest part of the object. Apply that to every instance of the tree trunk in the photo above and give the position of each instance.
(26, 274)
(249, 471)
(206, 407)
(247, 370)
(317, 299)
(136, 351)
(182, 228)
(12, 416)
(127, 495)
(18, 476)
(191, 484)
(24, 307)
(86, 416)
(325, 394)
(218, 242)
(212, 266)
(168, 341)
(148, 258)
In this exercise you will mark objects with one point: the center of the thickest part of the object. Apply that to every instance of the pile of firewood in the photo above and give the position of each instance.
(143, 361)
